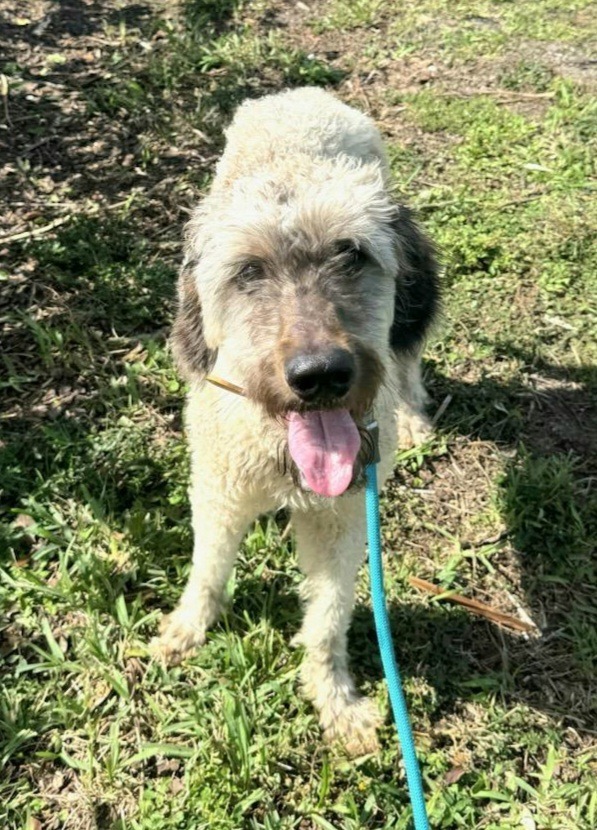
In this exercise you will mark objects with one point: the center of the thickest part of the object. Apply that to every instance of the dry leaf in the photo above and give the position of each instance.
(453, 775)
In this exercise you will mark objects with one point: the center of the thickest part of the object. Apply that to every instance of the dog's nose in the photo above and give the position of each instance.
(328, 374)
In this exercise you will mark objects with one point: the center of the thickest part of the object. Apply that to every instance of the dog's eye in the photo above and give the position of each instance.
(352, 256)
(249, 273)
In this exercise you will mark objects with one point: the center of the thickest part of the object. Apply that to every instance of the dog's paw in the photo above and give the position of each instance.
(414, 428)
(355, 727)
(180, 635)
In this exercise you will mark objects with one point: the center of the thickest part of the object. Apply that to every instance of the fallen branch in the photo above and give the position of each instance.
(61, 220)
(55, 223)
(512, 94)
(473, 606)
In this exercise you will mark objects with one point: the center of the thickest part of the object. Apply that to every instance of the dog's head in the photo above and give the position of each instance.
(303, 283)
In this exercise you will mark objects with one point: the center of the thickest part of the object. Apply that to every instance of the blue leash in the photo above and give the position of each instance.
(388, 657)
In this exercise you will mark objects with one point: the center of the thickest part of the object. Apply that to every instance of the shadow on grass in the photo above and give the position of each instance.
(97, 126)
(84, 339)
(94, 285)
(548, 499)
(547, 495)
(458, 655)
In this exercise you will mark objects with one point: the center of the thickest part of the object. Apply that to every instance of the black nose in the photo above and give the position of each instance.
(326, 374)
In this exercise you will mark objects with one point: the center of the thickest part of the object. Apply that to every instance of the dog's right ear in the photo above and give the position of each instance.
(192, 355)
(418, 289)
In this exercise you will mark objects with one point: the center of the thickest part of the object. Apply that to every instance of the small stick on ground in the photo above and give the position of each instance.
(4, 94)
(441, 409)
(55, 223)
(61, 220)
(475, 607)
(510, 94)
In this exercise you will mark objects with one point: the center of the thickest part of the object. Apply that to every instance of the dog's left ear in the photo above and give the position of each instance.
(417, 284)
(192, 355)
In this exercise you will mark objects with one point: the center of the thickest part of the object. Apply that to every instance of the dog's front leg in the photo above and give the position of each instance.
(414, 427)
(331, 546)
(219, 524)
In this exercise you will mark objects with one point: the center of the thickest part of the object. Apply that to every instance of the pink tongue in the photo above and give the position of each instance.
(324, 446)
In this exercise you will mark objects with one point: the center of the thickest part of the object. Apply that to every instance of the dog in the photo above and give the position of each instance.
(309, 289)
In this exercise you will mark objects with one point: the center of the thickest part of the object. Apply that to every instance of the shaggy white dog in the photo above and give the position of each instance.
(306, 286)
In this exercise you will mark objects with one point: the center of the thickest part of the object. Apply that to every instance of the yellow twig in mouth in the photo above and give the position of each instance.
(226, 384)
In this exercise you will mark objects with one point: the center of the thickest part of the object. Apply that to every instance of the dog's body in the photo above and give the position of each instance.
(306, 286)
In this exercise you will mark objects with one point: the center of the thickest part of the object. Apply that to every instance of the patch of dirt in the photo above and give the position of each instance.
(58, 153)
(569, 61)
(444, 520)
(75, 803)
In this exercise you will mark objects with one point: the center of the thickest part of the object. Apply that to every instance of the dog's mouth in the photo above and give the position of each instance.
(328, 449)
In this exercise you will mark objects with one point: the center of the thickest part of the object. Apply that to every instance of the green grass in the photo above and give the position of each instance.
(466, 30)
(95, 533)
(471, 29)
(345, 15)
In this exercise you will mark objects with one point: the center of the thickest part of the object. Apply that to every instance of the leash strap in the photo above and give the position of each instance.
(388, 655)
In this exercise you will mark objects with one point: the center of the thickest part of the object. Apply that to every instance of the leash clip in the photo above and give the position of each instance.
(372, 428)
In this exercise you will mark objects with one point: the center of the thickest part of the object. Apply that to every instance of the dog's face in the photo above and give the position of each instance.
(297, 285)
